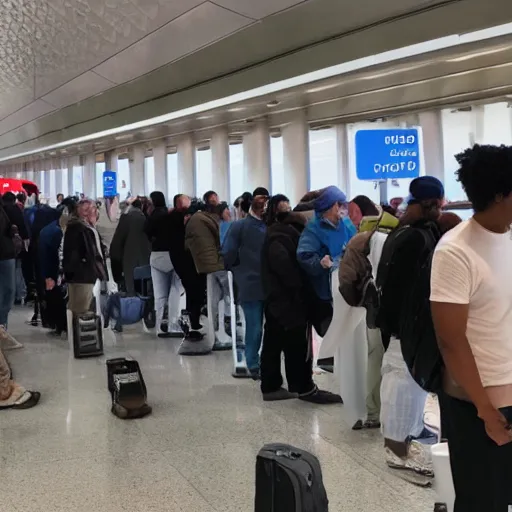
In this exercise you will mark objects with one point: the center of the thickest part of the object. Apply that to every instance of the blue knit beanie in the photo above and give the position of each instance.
(329, 197)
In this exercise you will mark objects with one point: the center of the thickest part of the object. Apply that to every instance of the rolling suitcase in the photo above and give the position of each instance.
(289, 480)
(87, 335)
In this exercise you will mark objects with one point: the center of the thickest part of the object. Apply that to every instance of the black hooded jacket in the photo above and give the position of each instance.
(283, 280)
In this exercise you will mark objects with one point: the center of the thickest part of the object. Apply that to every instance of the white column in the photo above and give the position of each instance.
(89, 175)
(160, 160)
(47, 166)
(187, 165)
(220, 162)
(433, 151)
(137, 171)
(296, 157)
(257, 156)
(111, 161)
(73, 161)
(343, 146)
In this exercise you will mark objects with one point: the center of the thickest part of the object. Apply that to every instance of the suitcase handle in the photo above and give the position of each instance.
(288, 454)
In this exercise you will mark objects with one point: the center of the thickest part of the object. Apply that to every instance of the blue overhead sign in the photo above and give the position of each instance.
(387, 154)
(109, 184)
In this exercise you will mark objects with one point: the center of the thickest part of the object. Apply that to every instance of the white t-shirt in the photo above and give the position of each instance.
(474, 266)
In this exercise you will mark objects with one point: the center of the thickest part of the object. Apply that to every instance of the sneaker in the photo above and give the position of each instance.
(255, 374)
(280, 394)
(419, 460)
(7, 341)
(321, 397)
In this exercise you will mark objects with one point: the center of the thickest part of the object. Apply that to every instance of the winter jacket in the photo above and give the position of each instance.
(130, 247)
(48, 250)
(181, 259)
(283, 279)
(158, 229)
(16, 217)
(82, 261)
(7, 251)
(242, 254)
(321, 238)
(202, 239)
(356, 272)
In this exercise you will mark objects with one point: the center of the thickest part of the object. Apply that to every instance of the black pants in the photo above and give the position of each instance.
(482, 471)
(56, 309)
(298, 358)
(195, 289)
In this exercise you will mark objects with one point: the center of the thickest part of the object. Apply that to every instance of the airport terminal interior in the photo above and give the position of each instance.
(188, 96)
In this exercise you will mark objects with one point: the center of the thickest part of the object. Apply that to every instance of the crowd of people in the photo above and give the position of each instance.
(287, 263)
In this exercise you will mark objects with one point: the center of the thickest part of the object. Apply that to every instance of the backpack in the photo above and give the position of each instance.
(413, 322)
(127, 389)
(16, 240)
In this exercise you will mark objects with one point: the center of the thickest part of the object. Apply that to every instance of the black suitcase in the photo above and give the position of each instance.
(289, 480)
(87, 335)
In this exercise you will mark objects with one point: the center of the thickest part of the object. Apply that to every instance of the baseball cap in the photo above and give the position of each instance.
(424, 188)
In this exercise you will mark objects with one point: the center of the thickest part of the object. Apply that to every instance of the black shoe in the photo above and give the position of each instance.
(280, 394)
(255, 374)
(321, 397)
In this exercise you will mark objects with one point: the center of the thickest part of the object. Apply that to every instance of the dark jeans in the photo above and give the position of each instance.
(298, 358)
(195, 289)
(7, 288)
(482, 471)
(56, 309)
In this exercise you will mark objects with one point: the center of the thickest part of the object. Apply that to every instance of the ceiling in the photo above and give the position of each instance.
(69, 68)
(474, 73)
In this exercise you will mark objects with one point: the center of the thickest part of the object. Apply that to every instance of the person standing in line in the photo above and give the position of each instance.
(158, 230)
(130, 247)
(211, 198)
(242, 254)
(60, 198)
(321, 245)
(471, 302)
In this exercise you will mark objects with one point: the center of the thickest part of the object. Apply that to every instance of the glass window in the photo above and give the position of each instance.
(149, 175)
(78, 181)
(236, 170)
(497, 128)
(204, 172)
(277, 166)
(457, 128)
(100, 169)
(323, 158)
(123, 178)
(172, 176)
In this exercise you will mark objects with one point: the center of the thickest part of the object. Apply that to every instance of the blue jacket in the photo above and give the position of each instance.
(242, 255)
(224, 228)
(321, 238)
(49, 243)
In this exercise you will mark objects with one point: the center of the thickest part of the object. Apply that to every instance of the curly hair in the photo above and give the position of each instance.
(485, 174)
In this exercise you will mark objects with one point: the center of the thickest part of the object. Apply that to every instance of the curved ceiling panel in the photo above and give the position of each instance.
(81, 66)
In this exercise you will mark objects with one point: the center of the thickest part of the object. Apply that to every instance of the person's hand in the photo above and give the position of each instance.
(496, 426)
(326, 262)
(49, 283)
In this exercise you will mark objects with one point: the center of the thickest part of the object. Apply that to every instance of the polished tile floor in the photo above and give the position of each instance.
(195, 453)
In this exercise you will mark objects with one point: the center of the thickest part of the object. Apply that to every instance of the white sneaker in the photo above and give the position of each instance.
(419, 459)
(7, 341)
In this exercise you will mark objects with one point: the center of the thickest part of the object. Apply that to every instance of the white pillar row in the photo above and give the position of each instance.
(187, 165)
(62, 172)
(47, 166)
(220, 162)
(73, 161)
(433, 149)
(137, 170)
(296, 157)
(89, 175)
(29, 170)
(257, 156)
(160, 160)
(343, 147)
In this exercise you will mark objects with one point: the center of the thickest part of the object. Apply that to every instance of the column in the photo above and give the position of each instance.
(257, 156)
(432, 135)
(343, 149)
(111, 161)
(137, 171)
(220, 162)
(47, 166)
(62, 172)
(187, 165)
(89, 175)
(296, 157)
(73, 161)
(160, 160)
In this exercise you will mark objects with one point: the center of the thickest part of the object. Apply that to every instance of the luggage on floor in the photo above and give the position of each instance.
(123, 310)
(127, 389)
(87, 335)
(289, 480)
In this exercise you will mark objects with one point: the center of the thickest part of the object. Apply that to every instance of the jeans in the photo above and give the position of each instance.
(298, 360)
(21, 287)
(220, 291)
(166, 287)
(253, 312)
(482, 470)
(7, 288)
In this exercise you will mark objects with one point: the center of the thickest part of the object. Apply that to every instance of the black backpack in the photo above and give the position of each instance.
(409, 316)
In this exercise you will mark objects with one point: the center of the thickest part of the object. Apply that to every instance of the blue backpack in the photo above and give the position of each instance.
(123, 310)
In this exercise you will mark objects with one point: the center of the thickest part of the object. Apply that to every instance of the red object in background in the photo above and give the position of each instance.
(15, 186)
